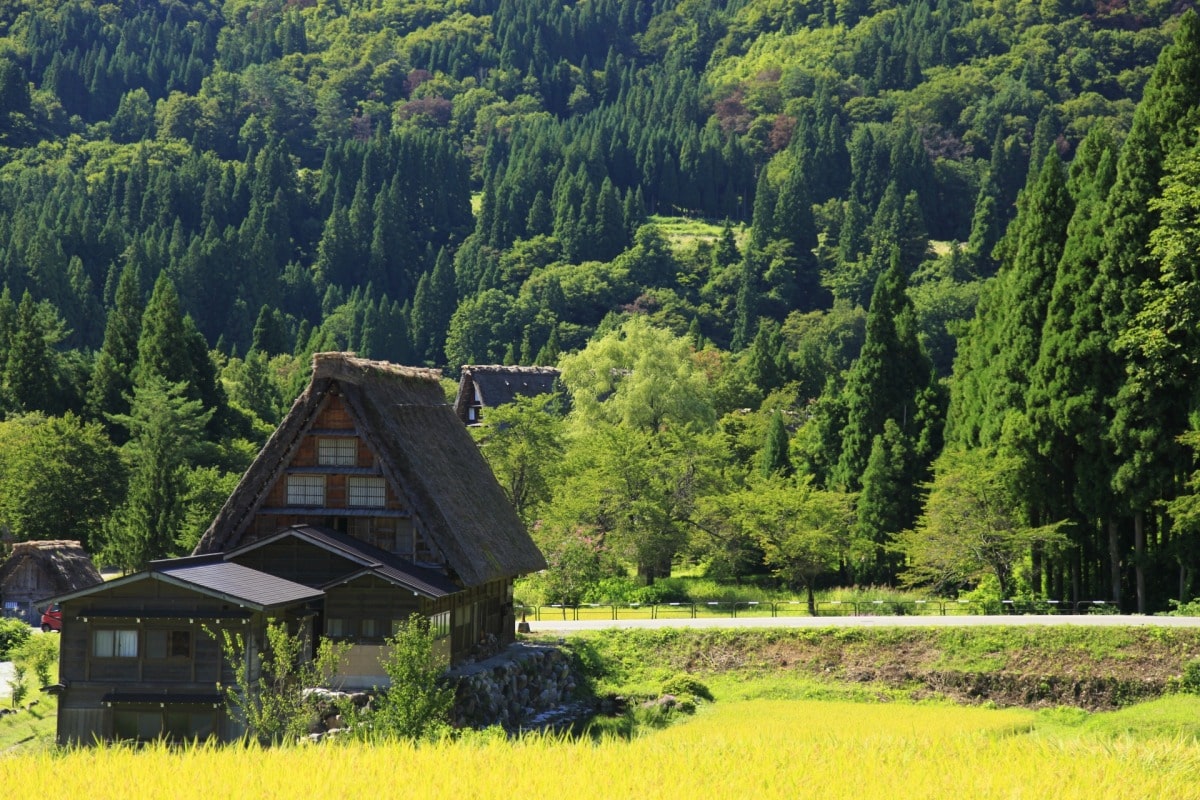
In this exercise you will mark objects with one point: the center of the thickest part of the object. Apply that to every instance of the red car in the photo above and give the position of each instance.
(52, 619)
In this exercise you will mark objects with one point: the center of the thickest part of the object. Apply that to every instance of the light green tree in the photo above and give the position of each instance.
(523, 443)
(417, 703)
(59, 477)
(803, 531)
(971, 526)
(270, 701)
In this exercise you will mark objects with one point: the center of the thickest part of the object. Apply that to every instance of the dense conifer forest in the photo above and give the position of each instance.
(933, 320)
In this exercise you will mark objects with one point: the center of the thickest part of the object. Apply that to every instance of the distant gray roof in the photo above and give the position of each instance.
(369, 558)
(497, 384)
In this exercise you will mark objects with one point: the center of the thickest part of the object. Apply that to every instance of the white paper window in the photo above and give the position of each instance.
(115, 644)
(306, 490)
(339, 452)
(365, 492)
(335, 626)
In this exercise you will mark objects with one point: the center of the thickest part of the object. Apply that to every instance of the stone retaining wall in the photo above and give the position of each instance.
(525, 686)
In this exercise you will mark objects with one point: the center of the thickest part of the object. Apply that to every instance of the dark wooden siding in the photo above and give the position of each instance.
(374, 602)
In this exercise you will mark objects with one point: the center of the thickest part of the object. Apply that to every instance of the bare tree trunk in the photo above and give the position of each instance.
(812, 600)
(1139, 552)
(1114, 560)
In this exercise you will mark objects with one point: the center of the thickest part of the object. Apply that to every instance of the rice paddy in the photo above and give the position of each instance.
(741, 749)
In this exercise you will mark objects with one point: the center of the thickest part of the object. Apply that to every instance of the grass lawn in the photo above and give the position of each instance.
(30, 728)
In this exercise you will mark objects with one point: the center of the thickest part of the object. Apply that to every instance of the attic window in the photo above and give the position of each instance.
(365, 492)
(306, 490)
(337, 452)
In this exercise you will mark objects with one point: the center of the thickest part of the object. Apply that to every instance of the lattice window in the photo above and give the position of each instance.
(337, 451)
(306, 490)
(364, 492)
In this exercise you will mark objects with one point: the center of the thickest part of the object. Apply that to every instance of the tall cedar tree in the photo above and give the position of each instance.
(1066, 404)
(1165, 122)
(888, 378)
(775, 460)
(112, 374)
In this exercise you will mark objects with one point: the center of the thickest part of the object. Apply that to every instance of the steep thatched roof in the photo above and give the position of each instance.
(424, 452)
(63, 561)
(497, 385)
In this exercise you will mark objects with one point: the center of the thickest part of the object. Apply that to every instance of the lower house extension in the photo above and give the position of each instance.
(368, 504)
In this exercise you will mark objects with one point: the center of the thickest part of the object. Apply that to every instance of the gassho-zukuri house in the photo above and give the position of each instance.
(370, 502)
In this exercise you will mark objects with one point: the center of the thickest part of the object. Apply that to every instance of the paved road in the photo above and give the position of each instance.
(930, 621)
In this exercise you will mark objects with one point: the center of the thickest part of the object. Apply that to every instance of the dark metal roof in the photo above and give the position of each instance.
(372, 559)
(233, 581)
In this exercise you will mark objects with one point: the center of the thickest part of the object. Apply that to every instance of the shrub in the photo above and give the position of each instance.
(39, 655)
(13, 633)
(1189, 609)
(417, 704)
(1190, 682)
(683, 685)
(275, 708)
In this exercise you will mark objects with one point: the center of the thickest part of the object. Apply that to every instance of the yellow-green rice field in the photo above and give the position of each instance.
(751, 750)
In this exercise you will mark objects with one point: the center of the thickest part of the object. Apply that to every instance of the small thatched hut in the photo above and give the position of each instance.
(37, 570)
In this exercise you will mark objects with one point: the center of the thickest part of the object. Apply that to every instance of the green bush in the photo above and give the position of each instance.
(39, 655)
(1189, 609)
(1190, 682)
(13, 633)
(683, 685)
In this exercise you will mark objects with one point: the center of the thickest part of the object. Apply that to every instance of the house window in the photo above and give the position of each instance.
(439, 625)
(340, 452)
(168, 644)
(115, 643)
(337, 627)
(366, 492)
(306, 490)
(371, 629)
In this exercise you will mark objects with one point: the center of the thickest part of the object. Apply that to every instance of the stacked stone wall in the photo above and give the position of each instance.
(524, 686)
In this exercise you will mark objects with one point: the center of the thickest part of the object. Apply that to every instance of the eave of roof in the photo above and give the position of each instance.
(371, 559)
(212, 576)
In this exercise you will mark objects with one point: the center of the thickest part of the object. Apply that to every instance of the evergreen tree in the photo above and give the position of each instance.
(775, 460)
(888, 503)
(29, 374)
(888, 378)
(164, 429)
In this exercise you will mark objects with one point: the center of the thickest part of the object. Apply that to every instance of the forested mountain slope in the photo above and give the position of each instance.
(195, 196)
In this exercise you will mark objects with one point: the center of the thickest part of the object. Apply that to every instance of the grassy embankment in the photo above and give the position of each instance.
(1092, 668)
